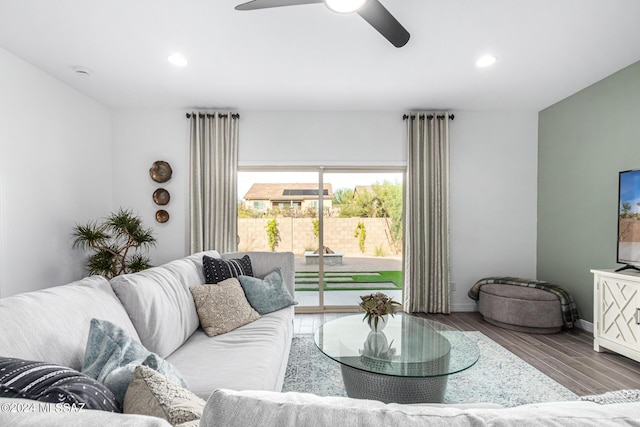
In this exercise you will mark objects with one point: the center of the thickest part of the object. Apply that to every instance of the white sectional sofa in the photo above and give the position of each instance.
(239, 373)
(156, 308)
(230, 408)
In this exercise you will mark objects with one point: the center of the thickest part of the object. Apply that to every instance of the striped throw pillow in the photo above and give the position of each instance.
(48, 382)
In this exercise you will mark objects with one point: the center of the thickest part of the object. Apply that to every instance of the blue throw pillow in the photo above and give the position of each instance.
(267, 295)
(48, 382)
(112, 355)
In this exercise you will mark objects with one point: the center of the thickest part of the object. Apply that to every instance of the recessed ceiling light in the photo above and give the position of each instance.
(178, 60)
(344, 6)
(486, 61)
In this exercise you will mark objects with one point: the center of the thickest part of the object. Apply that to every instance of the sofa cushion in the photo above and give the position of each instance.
(47, 382)
(267, 295)
(217, 269)
(68, 310)
(237, 409)
(112, 355)
(222, 307)
(151, 393)
(159, 302)
(251, 357)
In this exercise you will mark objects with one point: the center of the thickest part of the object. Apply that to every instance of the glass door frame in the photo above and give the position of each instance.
(322, 170)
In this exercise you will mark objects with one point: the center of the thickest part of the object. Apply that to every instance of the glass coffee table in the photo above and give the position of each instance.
(409, 361)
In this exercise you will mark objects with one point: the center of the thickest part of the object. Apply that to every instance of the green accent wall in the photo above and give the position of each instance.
(583, 142)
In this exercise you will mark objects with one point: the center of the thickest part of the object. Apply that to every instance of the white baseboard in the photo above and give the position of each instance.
(464, 307)
(583, 324)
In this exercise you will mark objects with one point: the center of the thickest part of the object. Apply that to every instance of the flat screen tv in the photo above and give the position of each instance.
(629, 219)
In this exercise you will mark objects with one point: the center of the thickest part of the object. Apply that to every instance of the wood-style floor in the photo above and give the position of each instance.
(567, 357)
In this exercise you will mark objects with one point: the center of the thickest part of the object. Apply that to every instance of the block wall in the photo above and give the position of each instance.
(297, 236)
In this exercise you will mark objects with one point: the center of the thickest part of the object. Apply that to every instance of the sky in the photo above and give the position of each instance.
(337, 180)
(630, 189)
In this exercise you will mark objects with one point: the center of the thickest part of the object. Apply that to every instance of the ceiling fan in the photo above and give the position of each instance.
(371, 11)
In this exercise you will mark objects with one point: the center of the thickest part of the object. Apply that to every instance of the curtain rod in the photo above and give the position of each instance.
(429, 116)
(208, 115)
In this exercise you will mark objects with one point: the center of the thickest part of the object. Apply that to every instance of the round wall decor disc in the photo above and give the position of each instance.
(161, 196)
(162, 216)
(160, 171)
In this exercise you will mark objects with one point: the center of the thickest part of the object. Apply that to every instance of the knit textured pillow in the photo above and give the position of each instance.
(151, 393)
(217, 269)
(222, 307)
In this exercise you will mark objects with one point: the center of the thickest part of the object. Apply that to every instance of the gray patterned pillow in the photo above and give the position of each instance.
(222, 307)
(151, 393)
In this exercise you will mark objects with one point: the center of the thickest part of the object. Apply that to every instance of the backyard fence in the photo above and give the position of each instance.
(297, 235)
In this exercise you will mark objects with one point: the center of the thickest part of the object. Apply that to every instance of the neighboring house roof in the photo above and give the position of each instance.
(281, 192)
(362, 189)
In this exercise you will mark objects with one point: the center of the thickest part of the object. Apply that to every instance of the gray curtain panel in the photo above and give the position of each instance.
(427, 214)
(213, 205)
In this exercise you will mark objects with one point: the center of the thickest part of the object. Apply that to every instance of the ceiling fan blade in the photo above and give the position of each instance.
(382, 20)
(266, 4)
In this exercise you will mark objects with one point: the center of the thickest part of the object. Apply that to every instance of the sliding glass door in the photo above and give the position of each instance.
(343, 226)
(363, 230)
(278, 211)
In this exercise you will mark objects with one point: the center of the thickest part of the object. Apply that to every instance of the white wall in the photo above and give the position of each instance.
(493, 175)
(66, 159)
(321, 138)
(139, 139)
(55, 170)
(266, 138)
(493, 198)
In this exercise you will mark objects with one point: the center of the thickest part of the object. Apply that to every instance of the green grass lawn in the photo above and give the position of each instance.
(347, 281)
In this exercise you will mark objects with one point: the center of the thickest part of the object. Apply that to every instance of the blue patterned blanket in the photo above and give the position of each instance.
(568, 306)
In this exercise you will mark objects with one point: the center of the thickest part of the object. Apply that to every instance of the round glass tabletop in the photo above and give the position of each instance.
(408, 346)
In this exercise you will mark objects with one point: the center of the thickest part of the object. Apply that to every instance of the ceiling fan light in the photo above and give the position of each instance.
(344, 6)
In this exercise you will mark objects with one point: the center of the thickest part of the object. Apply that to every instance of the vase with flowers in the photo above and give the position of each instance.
(378, 307)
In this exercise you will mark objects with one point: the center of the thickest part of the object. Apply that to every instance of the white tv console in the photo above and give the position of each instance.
(616, 312)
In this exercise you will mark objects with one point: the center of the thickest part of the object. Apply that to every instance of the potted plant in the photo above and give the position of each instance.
(378, 306)
(117, 243)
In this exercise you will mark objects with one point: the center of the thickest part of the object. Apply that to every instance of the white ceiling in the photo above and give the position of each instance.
(308, 58)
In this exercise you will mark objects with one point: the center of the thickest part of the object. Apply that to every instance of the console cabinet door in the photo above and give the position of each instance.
(618, 312)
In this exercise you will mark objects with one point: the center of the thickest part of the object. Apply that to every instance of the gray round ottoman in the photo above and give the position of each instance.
(521, 308)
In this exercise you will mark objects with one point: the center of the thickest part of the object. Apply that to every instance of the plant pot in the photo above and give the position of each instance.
(381, 323)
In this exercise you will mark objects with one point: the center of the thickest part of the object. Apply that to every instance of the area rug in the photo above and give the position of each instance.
(499, 376)
(618, 396)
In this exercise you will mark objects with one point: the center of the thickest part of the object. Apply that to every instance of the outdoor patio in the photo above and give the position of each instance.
(355, 263)
(335, 277)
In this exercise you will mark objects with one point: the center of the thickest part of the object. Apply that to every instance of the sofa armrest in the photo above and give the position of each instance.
(264, 263)
(230, 408)
(24, 412)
